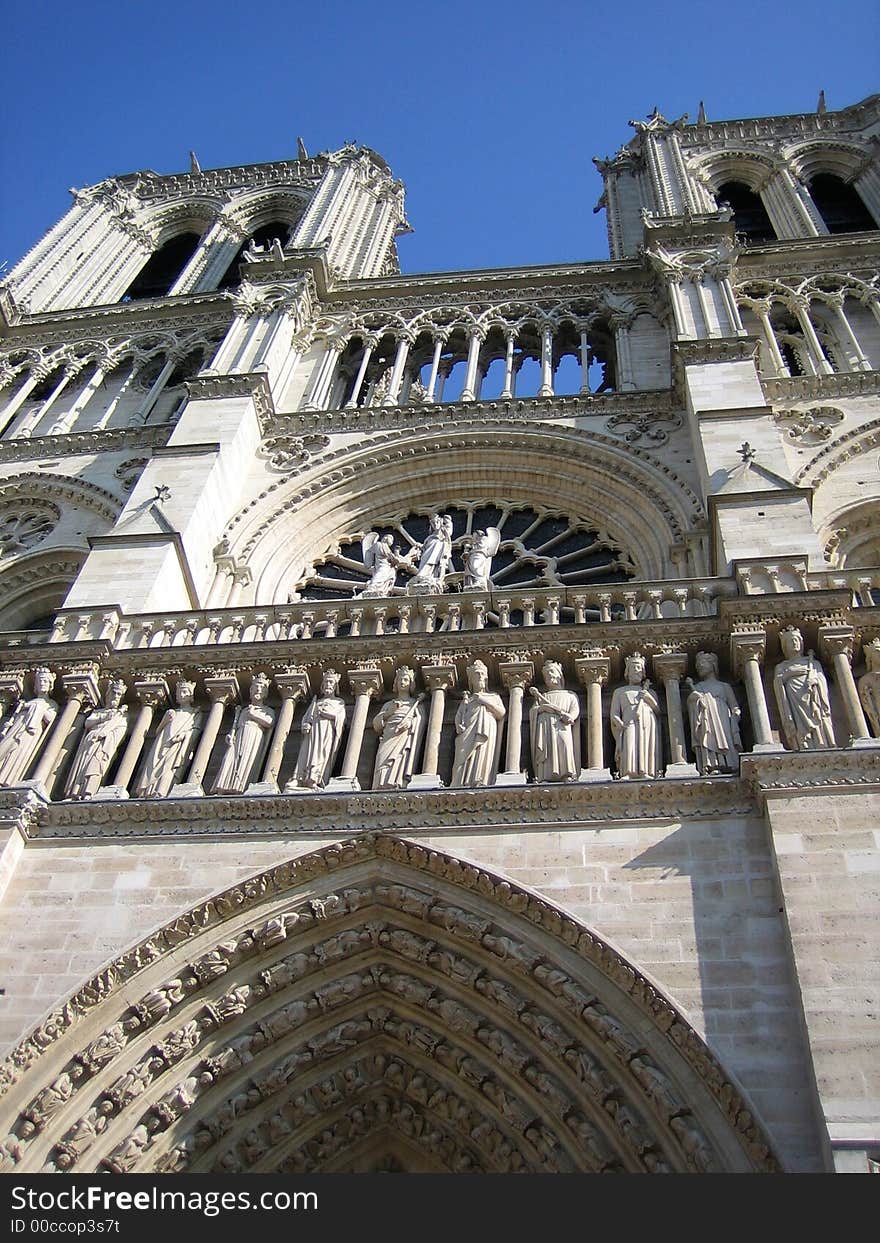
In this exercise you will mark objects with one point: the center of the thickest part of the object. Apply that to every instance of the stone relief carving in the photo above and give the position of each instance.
(22, 734)
(714, 718)
(435, 558)
(477, 731)
(322, 727)
(246, 742)
(172, 747)
(23, 525)
(551, 719)
(635, 724)
(102, 735)
(802, 695)
(869, 686)
(400, 724)
(810, 427)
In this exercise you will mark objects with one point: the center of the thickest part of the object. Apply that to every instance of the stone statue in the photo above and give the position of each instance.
(802, 696)
(635, 723)
(550, 724)
(322, 728)
(869, 685)
(434, 559)
(101, 738)
(172, 746)
(246, 741)
(400, 723)
(383, 560)
(478, 555)
(477, 725)
(25, 728)
(714, 716)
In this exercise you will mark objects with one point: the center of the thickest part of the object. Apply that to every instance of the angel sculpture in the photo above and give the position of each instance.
(383, 560)
(478, 554)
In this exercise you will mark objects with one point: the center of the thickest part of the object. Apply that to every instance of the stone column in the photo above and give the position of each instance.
(241, 578)
(585, 362)
(142, 413)
(369, 346)
(397, 372)
(293, 686)
(81, 688)
(593, 672)
(18, 398)
(801, 308)
(546, 389)
(33, 419)
(671, 667)
(152, 693)
(835, 302)
(66, 422)
(515, 676)
(836, 643)
(439, 679)
(746, 657)
(435, 367)
(508, 390)
(365, 683)
(470, 379)
(221, 691)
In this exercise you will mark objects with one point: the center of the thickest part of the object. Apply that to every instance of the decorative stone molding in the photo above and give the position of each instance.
(540, 990)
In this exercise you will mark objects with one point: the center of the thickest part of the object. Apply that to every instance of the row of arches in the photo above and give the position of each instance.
(837, 204)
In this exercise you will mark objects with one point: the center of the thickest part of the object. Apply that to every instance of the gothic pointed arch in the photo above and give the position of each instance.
(373, 1001)
(293, 523)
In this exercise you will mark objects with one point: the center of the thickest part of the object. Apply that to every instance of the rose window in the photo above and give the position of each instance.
(23, 526)
(536, 549)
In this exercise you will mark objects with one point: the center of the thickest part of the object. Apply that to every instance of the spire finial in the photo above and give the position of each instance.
(194, 165)
(701, 115)
(821, 109)
(301, 153)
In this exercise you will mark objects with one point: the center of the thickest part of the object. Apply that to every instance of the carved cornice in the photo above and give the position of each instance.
(795, 125)
(791, 772)
(715, 350)
(409, 418)
(73, 444)
(253, 384)
(810, 387)
(91, 319)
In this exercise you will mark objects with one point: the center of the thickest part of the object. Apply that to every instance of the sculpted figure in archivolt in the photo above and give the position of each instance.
(550, 724)
(25, 728)
(802, 695)
(400, 723)
(714, 716)
(321, 729)
(172, 747)
(634, 719)
(246, 742)
(102, 735)
(477, 731)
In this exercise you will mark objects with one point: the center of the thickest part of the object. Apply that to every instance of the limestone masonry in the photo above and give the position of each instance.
(441, 712)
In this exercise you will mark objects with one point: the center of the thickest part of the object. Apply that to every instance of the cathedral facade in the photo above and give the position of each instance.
(441, 712)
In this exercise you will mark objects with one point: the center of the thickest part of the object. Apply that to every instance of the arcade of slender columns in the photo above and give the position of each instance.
(816, 358)
(592, 673)
(402, 374)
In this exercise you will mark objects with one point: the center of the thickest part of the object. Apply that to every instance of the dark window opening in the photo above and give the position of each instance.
(839, 205)
(162, 268)
(261, 238)
(750, 217)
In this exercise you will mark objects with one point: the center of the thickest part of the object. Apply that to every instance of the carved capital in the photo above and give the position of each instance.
(834, 640)
(670, 666)
(749, 645)
(365, 682)
(592, 669)
(222, 689)
(516, 673)
(81, 686)
(293, 685)
(152, 692)
(439, 677)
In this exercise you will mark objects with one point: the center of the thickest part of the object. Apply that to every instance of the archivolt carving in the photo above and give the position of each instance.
(372, 988)
(641, 502)
(77, 492)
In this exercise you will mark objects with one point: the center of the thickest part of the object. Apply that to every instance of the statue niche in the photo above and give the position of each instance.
(23, 732)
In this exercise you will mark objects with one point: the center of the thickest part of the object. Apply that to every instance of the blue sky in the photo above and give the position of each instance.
(489, 112)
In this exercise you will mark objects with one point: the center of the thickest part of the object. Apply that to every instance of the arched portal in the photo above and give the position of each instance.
(373, 1005)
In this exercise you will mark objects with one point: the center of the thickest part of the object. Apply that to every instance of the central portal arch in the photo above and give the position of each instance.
(373, 1005)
